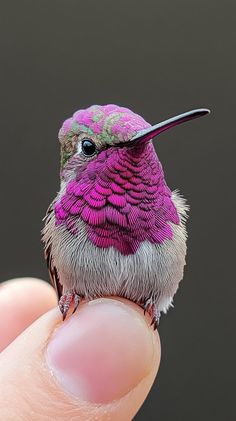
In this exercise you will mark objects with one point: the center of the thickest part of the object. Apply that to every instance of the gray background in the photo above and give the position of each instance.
(160, 58)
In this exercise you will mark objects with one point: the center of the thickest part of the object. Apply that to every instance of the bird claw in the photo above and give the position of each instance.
(154, 313)
(66, 300)
(155, 321)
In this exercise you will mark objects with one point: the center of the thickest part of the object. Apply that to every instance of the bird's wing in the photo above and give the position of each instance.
(54, 277)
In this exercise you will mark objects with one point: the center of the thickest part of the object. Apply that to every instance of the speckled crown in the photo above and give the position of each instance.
(110, 123)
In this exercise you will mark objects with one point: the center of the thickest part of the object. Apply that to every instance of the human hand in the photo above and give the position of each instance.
(99, 364)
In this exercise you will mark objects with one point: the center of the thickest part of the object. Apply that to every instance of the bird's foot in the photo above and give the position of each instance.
(154, 313)
(155, 318)
(65, 301)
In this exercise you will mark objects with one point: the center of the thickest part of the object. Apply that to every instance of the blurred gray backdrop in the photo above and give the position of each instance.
(159, 58)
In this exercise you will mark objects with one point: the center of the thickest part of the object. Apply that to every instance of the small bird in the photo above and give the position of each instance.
(115, 228)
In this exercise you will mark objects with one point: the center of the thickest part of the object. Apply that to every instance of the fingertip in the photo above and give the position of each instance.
(104, 351)
(98, 364)
(22, 300)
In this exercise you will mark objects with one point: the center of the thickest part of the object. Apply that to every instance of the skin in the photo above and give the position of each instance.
(29, 390)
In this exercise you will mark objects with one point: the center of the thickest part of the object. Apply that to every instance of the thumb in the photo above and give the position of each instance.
(98, 364)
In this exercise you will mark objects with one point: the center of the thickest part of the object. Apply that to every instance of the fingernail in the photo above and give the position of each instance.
(101, 352)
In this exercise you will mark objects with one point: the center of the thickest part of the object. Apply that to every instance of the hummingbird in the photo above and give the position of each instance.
(115, 228)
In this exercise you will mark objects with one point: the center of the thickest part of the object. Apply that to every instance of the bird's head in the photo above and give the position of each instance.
(112, 178)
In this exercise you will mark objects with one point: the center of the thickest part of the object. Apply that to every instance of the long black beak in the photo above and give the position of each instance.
(150, 132)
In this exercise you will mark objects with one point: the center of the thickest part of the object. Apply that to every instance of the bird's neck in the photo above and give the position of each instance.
(123, 199)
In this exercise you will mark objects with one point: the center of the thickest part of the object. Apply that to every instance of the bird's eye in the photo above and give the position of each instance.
(88, 147)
